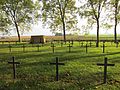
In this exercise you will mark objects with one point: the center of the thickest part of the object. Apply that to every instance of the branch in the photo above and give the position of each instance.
(91, 3)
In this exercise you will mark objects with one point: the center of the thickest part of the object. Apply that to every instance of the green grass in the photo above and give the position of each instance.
(80, 71)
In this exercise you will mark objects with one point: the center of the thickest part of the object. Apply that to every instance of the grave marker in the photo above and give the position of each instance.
(82, 44)
(23, 48)
(69, 47)
(61, 44)
(38, 47)
(9, 42)
(103, 47)
(2, 42)
(105, 68)
(117, 44)
(79, 42)
(57, 69)
(16, 42)
(72, 42)
(86, 48)
(10, 48)
(14, 67)
(90, 43)
(53, 47)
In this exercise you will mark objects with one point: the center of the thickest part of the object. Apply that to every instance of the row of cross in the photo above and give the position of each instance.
(70, 45)
(57, 63)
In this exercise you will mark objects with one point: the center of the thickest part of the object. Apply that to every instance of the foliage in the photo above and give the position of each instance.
(58, 34)
(59, 14)
(92, 9)
(19, 13)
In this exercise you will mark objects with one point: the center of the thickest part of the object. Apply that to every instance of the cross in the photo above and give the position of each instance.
(72, 42)
(86, 42)
(68, 41)
(69, 47)
(105, 68)
(53, 47)
(16, 42)
(103, 47)
(117, 43)
(61, 43)
(38, 47)
(79, 42)
(90, 43)
(14, 67)
(10, 48)
(57, 69)
(2, 42)
(86, 48)
(9, 42)
(111, 42)
(23, 48)
(82, 44)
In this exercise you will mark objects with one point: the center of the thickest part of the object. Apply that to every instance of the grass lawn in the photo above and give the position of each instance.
(80, 71)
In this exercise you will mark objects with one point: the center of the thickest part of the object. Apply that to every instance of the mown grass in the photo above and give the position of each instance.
(80, 71)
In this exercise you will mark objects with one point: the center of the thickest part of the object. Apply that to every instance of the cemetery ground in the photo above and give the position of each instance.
(80, 71)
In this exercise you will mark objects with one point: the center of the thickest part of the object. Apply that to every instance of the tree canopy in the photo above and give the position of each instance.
(59, 15)
(18, 14)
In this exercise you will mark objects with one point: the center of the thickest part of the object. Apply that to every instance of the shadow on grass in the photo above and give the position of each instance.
(62, 55)
(85, 82)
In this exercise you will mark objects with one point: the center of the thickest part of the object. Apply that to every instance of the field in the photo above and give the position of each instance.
(68, 37)
(80, 71)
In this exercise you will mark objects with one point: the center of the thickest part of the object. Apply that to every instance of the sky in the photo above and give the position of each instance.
(39, 30)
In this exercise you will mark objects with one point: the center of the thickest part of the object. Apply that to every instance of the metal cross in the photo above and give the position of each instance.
(14, 67)
(105, 68)
(57, 69)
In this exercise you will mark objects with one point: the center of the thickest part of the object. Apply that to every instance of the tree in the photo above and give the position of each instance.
(4, 23)
(19, 13)
(116, 5)
(91, 9)
(59, 14)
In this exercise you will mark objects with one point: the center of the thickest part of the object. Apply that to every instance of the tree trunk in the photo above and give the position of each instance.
(115, 28)
(97, 43)
(17, 31)
(115, 31)
(64, 33)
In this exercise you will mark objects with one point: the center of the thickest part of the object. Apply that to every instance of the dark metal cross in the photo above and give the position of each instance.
(69, 47)
(103, 47)
(90, 43)
(82, 44)
(86, 48)
(105, 68)
(61, 43)
(72, 42)
(23, 48)
(117, 44)
(10, 48)
(53, 47)
(57, 69)
(14, 67)
(38, 47)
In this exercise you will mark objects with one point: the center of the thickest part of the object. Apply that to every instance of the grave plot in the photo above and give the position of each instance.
(105, 65)
(57, 67)
(14, 66)
(79, 72)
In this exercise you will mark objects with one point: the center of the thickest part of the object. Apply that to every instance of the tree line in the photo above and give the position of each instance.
(19, 15)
